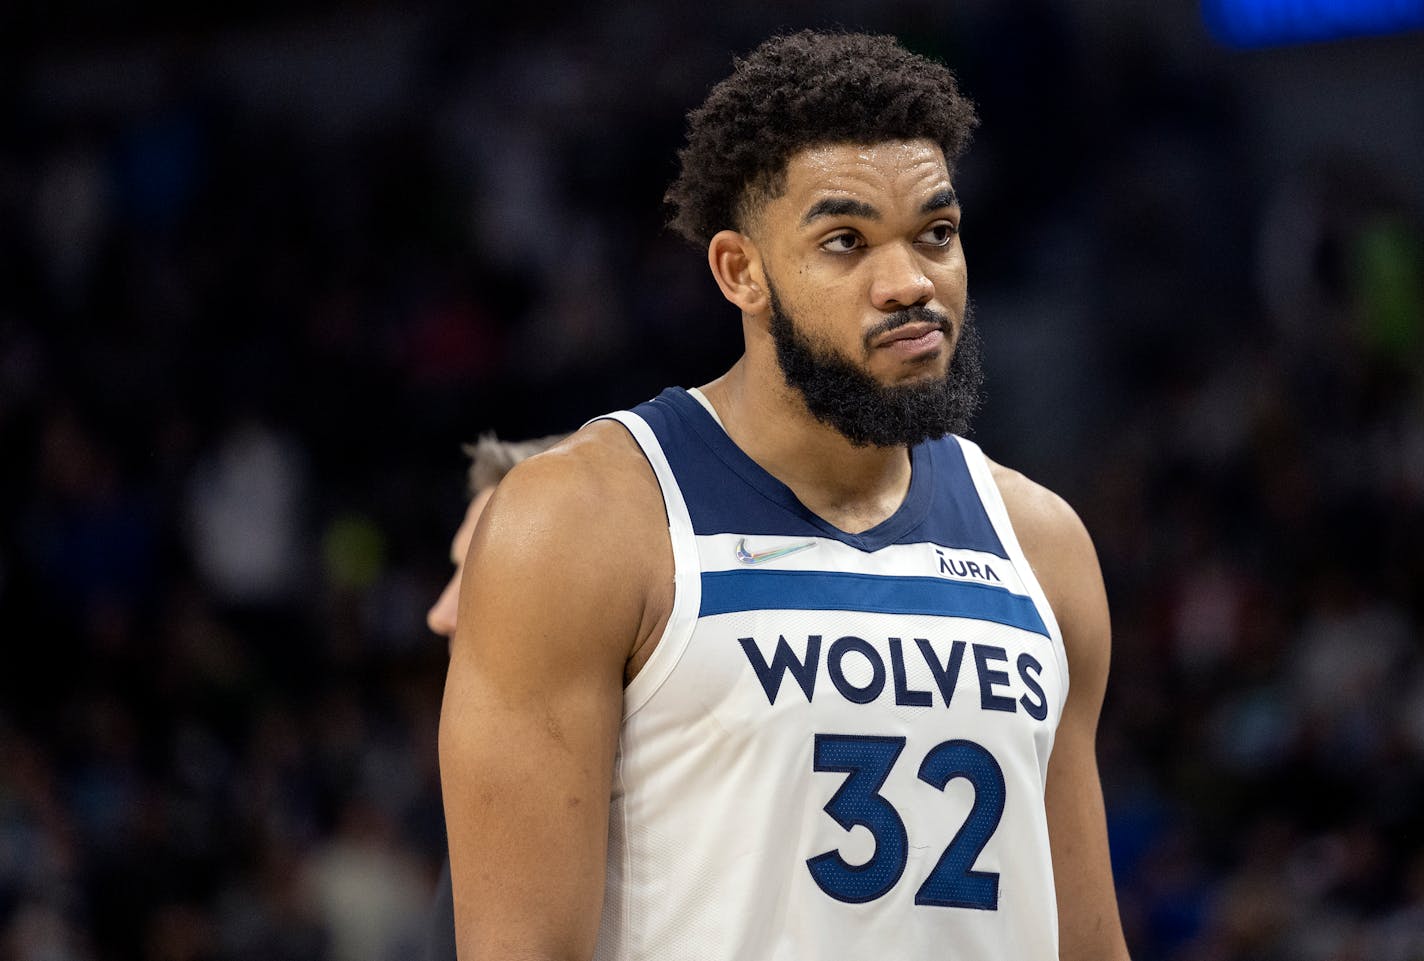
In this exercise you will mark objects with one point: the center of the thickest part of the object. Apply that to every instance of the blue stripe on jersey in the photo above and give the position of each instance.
(728, 492)
(725, 592)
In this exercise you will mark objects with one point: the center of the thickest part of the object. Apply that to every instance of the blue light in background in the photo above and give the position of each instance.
(1264, 23)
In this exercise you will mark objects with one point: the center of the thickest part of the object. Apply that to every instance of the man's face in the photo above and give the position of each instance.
(441, 617)
(868, 290)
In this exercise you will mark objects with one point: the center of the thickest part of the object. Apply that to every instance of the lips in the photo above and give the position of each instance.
(907, 332)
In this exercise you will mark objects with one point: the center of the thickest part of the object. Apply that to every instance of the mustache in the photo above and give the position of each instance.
(918, 314)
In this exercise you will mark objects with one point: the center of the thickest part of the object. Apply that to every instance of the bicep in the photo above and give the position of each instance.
(526, 789)
(528, 732)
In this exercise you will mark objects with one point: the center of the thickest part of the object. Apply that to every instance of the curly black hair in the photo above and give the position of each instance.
(805, 90)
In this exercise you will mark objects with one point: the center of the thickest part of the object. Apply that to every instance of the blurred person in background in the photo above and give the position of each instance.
(628, 770)
(490, 459)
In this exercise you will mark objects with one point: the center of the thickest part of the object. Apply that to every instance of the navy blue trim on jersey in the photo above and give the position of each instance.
(726, 592)
(941, 506)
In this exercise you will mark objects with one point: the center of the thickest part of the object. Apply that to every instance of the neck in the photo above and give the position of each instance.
(853, 488)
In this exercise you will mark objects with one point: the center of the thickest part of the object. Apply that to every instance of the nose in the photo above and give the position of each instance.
(900, 279)
(441, 616)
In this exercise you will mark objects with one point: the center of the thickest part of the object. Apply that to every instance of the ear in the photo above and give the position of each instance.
(736, 264)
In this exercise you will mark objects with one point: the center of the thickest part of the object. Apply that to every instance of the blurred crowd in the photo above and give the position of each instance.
(261, 274)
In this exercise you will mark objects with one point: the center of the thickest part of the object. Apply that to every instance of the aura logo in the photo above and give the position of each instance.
(957, 567)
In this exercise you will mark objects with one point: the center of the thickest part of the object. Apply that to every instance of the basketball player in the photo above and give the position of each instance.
(782, 668)
(490, 459)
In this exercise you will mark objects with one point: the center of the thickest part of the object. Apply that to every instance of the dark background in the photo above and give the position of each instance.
(264, 266)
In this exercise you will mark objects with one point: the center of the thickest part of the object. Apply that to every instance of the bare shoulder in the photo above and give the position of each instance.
(1048, 529)
(596, 477)
(580, 527)
(1063, 558)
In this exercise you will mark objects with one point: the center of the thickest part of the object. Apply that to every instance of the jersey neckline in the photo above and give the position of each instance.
(911, 512)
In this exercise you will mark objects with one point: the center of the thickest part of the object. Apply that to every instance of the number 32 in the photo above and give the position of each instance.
(867, 761)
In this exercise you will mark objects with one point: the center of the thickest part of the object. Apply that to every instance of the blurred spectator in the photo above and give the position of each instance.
(370, 894)
(245, 518)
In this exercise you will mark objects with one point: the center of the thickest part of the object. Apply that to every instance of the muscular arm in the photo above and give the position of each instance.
(552, 603)
(1063, 559)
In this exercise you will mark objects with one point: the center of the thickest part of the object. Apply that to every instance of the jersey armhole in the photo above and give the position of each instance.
(687, 584)
(993, 502)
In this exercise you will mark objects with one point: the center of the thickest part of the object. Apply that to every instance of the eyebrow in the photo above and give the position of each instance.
(945, 198)
(846, 207)
(840, 207)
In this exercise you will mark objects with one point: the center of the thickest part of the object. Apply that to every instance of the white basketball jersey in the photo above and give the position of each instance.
(838, 749)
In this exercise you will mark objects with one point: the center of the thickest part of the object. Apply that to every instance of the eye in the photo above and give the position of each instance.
(842, 243)
(938, 235)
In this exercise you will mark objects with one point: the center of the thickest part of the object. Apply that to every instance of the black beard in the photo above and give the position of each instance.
(866, 412)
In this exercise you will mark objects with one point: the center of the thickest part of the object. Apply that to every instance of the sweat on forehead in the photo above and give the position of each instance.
(799, 91)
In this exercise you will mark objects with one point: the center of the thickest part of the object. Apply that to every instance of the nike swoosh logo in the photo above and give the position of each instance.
(761, 557)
